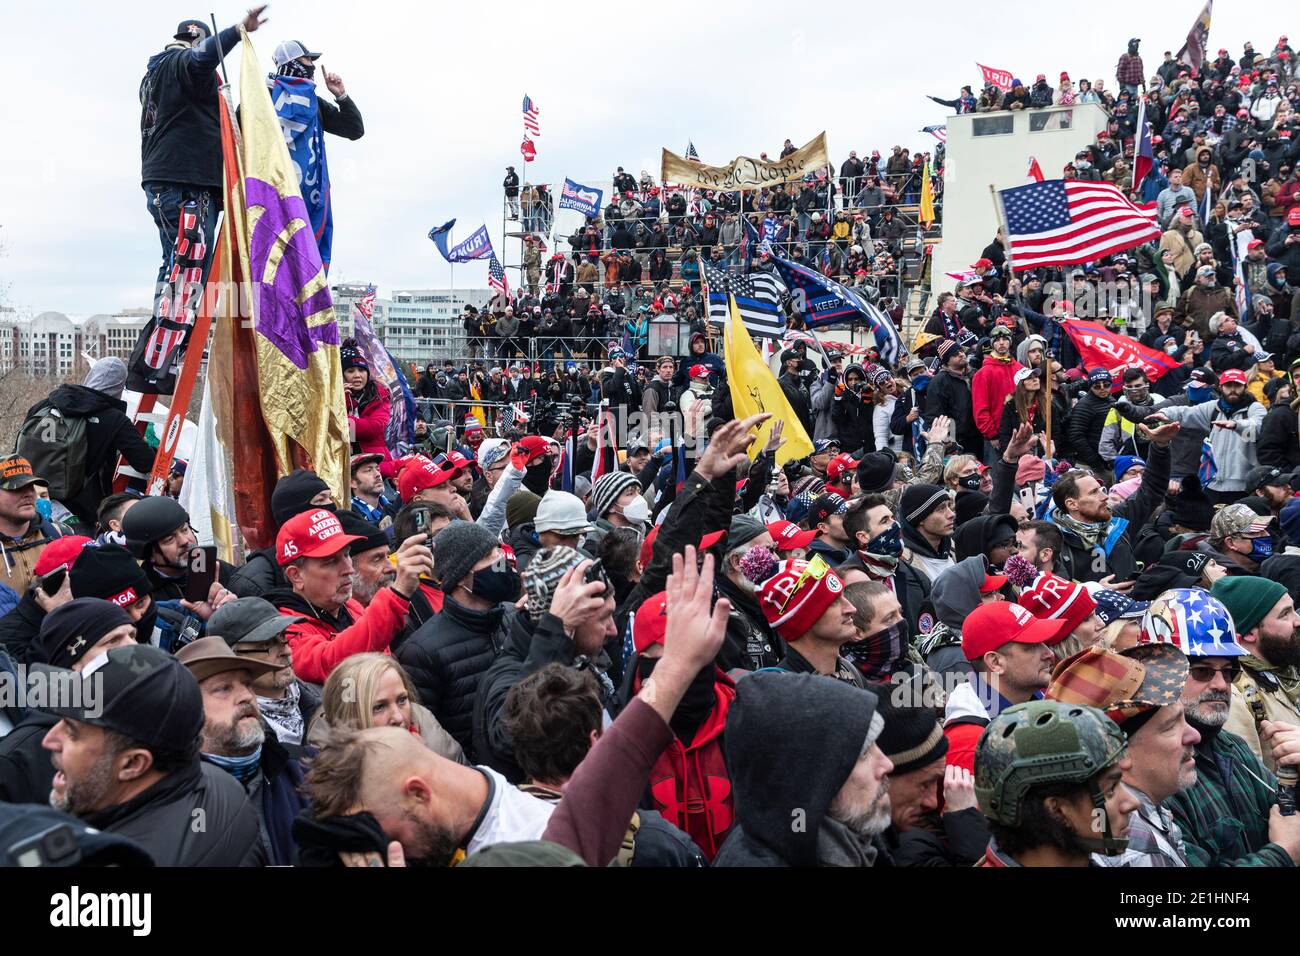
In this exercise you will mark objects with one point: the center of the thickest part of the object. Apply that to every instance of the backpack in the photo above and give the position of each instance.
(55, 445)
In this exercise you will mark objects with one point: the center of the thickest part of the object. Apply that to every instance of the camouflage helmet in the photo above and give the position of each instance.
(1041, 742)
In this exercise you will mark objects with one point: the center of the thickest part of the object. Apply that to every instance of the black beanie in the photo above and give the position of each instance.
(970, 504)
(876, 471)
(1190, 508)
(912, 737)
(372, 536)
(293, 494)
(109, 572)
(919, 500)
(72, 629)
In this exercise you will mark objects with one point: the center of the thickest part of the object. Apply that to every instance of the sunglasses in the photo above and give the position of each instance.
(815, 571)
(1204, 673)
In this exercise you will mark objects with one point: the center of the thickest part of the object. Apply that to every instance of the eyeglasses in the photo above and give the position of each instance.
(815, 571)
(1204, 673)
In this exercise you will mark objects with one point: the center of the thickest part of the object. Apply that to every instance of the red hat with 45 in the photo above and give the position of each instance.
(991, 625)
(839, 465)
(311, 534)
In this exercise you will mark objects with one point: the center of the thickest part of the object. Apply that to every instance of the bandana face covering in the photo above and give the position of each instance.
(303, 71)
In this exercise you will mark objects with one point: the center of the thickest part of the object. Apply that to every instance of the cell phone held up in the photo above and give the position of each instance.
(51, 581)
(202, 566)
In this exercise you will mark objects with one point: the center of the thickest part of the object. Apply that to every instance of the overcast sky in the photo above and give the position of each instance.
(440, 86)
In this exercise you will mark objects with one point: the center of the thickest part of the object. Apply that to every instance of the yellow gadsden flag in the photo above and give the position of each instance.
(300, 378)
(927, 196)
(754, 389)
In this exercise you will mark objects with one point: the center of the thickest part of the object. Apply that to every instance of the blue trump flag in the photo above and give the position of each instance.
(584, 199)
(477, 246)
(823, 301)
(294, 99)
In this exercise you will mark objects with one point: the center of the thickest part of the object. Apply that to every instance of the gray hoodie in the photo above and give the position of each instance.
(955, 594)
(792, 741)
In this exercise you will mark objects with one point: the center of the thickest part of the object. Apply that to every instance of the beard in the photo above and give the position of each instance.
(237, 738)
(1281, 651)
(87, 794)
(436, 846)
(365, 591)
(1200, 712)
(866, 821)
(283, 678)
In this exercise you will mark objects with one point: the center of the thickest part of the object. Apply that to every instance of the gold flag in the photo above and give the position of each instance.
(754, 389)
(746, 173)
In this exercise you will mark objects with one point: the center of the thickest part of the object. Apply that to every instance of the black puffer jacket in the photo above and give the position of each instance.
(26, 772)
(163, 820)
(108, 433)
(531, 646)
(447, 658)
(258, 576)
(1083, 431)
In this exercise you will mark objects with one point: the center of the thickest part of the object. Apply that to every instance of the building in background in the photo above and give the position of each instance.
(52, 343)
(425, 324)
(346, 295)
(993, 149)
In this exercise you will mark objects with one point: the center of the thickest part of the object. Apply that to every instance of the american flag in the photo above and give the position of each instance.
(691, 155)
(366, 304)
(497, 276)
(758, 299)
(939, 132)
(1060, 223)
(530, 117)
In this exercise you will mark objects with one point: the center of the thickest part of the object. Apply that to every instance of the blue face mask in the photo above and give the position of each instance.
(44, 508)
(888, 543)
(1198, 394)
(1260, 549)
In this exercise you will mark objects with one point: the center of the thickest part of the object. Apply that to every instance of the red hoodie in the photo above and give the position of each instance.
(690, 784)
(372, 423)
(988, 390)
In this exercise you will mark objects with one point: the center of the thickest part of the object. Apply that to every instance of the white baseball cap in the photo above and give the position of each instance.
(291, 50)
(562, 512)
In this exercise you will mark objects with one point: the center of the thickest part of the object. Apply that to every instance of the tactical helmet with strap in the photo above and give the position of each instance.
(1045, 742)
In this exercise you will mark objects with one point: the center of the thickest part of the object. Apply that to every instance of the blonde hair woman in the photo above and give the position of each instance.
(373, 690)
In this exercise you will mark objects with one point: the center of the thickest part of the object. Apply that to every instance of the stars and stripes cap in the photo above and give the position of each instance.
(1123, 685)
(1192, 620)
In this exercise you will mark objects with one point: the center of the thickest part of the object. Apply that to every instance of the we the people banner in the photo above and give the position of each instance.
(744, 172)
(999, 78)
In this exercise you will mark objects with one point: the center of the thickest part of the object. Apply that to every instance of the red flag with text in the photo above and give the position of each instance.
(999, 78)
(1099, 347)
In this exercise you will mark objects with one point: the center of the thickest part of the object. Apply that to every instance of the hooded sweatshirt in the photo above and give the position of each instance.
(989, 390)
(955, 594)
(792, 741)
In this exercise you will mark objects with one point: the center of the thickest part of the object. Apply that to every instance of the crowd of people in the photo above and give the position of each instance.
(1006, 609)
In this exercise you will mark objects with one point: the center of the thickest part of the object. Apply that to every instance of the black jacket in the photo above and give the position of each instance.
(108, 433)
(1278, 444)
(949, 394)
(854, 421)
(258, 576)
(26, 772)
(965, 837)
(162, 820)
(18, 630)
(447, 659)
(341, 120)
(1086, 564)
(278, 799)
(1084, 427)
(912, 588)
(797, 395)
(530, 647)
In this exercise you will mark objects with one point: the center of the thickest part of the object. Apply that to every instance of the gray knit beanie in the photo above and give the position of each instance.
(542, 576)
(457, 548)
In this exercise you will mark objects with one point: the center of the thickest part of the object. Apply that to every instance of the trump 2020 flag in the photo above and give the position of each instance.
(477, 246)
(583, 199)
(755, 389)
(1099, 346)
(300, 378)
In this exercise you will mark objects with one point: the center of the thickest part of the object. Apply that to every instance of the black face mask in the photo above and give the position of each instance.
(537, 477)
(970, 482)
(303, 71)
(495, 586)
